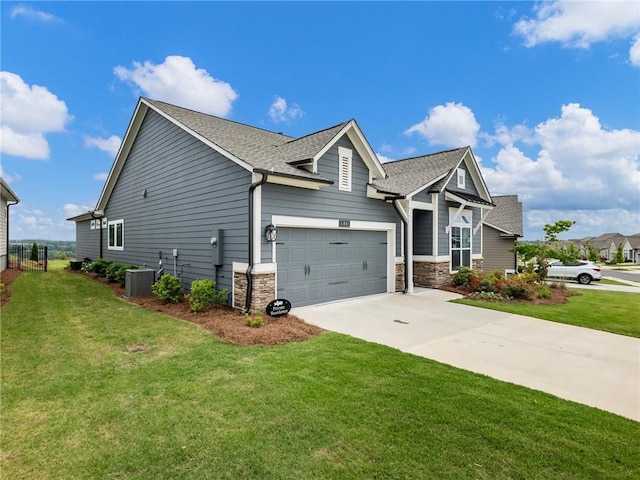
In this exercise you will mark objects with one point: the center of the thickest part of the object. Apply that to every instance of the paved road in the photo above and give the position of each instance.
(631, 275)
(588, 366)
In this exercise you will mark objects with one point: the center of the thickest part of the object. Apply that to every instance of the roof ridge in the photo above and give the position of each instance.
(427, 155)
(294, 139)
(218, 117)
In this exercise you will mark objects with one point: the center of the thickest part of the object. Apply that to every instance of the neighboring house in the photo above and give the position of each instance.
(634, 244)
(502, 228)
(201, 194)
(7, 198)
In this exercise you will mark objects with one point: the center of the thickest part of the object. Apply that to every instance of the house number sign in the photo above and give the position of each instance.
(344, 223)
(278, 307)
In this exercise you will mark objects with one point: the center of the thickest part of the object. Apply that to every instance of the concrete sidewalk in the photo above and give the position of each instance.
(588, 366)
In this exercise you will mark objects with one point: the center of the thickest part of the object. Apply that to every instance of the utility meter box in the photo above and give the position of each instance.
(216, 246)
(137, 283)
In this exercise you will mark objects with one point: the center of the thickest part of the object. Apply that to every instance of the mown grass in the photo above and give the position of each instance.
(615, 312)
(78, 402)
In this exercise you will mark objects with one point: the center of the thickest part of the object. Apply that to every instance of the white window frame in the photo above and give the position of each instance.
(345, 161)
(462, 220)
(114, 245)
(461, 175)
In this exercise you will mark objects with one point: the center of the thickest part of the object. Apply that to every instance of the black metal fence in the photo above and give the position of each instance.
(28, 257)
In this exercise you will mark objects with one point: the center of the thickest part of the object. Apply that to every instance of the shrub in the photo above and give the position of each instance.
(168, 289)
(544, 291)
(254, 322)
(98, 267)
(463, 276)
(204, 295)
(117, 272)
(516, 289)
(34, 252)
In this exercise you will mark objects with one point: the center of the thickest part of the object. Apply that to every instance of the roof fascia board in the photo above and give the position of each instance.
(500, 229)
(204, 140)
(123, 153)
(359, 141)
(296, 182)
(478, 179)
(427, 185)
(8, 193)
(132, 131)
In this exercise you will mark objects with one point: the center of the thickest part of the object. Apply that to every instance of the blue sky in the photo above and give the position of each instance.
(546, 94)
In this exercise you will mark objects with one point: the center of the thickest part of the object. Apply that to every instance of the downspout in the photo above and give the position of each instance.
(252, 188)
(93, 215)
(405, 241)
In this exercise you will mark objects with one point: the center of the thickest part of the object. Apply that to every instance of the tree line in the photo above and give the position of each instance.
(57, 249)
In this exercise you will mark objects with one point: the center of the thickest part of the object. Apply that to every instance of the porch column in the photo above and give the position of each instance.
(409, 254)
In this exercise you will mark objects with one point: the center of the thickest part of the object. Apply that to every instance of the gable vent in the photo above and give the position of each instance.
(345, 156)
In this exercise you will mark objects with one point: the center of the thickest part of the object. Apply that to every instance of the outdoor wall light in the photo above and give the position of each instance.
(144, 193)
(270, 233)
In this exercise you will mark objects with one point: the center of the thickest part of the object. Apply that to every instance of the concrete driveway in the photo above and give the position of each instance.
(586, 366)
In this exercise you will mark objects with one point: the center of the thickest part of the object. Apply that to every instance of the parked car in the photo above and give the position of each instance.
(582, 271)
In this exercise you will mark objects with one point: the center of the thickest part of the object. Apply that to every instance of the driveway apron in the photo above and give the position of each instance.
(595, 368)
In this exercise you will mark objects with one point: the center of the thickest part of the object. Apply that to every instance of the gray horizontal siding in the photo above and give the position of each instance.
(190, 190)
(422, 232)
(496, 251)
(328, 202)
(469, 185)
(88, 241)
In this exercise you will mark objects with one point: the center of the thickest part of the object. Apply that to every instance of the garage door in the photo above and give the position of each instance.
(316, 266)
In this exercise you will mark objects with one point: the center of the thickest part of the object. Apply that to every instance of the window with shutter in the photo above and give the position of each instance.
(345, 156)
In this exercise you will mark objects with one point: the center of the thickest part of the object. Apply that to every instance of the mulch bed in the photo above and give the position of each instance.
(226, 323)
(558, 296)
(7, 277)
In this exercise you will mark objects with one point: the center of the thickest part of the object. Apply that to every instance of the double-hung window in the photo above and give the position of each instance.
(115, 235)
(460, 238)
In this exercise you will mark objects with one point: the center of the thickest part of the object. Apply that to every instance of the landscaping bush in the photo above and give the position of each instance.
(204, 295)
(168, 289)
(98, 267)
(544, 291)
(463, 276)
(517, 288)
(117, 272)
(254, 322)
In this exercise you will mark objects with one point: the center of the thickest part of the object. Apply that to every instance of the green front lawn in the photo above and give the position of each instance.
(615, 312)
(95, 387)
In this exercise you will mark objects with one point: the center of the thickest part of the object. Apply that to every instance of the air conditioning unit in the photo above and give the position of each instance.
(138, 283)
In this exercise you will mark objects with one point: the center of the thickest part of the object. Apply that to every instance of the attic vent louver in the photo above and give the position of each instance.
(345, 156)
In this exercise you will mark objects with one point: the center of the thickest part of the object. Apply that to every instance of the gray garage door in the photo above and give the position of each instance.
(316, 266)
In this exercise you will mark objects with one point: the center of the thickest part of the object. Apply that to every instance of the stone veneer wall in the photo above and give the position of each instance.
(264, 287)
(436, 275)
(399, 277)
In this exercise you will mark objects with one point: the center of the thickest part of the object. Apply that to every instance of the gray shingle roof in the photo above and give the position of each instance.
(406, 176)
(262, 149)
(507, 214)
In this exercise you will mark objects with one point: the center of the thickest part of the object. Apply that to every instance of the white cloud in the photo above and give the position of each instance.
(634, 52)
(101, 176)
(580, 24)
(110, 145)
(451, 125)
(33, 14)
(384, 158)
(280, 111)
(506, 135)
(28, 113)
(588, 222)
(579, 167)
(71, 209)
(178, 81)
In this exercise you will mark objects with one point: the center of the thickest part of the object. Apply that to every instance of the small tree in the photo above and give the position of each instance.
(593, 255)
(619, 256)
(537, 254)
(34, 252)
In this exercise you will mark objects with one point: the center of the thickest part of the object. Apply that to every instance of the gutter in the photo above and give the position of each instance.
(254, 185)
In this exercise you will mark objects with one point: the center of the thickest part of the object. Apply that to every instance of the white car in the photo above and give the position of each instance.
(582, 271)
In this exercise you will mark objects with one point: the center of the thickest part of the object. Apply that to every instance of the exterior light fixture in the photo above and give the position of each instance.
(144, 193)
(270, 233)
